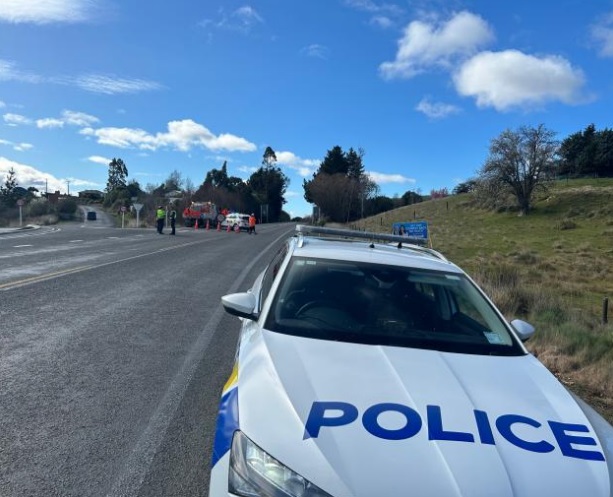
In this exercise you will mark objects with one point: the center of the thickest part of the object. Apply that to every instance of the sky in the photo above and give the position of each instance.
(420, 86)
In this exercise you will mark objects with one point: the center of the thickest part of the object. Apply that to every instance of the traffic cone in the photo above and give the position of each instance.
(207, 225)
(218, 226)
(238, 229)
(228, 230)
(196, 225)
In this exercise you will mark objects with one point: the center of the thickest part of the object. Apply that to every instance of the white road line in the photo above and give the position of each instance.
(19, 246)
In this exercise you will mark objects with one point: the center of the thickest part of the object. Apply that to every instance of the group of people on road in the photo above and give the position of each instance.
(160, 216)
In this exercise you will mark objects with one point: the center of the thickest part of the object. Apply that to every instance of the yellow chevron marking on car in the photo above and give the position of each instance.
(232, 380)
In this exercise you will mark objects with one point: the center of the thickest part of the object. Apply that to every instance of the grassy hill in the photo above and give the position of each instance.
(553, 268)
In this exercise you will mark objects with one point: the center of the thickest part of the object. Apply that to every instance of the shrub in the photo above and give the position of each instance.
(566, 224)
(66, 208)
(39, 207)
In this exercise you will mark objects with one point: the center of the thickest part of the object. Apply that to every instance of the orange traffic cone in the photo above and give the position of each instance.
(196, 225)
(228, 230)
(207, 224)
(237, 229)
(218, 226)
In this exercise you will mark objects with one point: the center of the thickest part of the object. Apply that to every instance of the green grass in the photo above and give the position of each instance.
(553, 268)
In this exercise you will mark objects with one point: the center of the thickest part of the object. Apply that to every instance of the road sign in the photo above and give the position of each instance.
(124, 208)
(138, 207)
(20, 202)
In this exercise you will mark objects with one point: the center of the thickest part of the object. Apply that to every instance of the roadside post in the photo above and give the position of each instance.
(20, 203)
(123, 215)
(137, 208)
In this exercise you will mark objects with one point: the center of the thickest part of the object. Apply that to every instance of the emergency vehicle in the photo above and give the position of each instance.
(368, 366)
(201, 212)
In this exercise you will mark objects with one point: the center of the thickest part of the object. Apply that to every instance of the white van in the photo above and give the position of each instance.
(236, 221)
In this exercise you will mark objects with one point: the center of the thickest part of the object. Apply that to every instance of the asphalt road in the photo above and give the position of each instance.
(113, 351)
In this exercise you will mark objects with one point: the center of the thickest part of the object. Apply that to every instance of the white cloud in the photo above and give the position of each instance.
(95, 83)
(383, 178)
(303, 167)
(97, 159)
(110, 85)
(381, 13)
(436, 110)
(45, 12)
(247, 16)
(603, 34)
(242, 19)
(511, 78)
(425, 45)
(16, 120)
(22, 147)
(27, 176)
(373, 7)
(315, 50)
(49, 122)
(19, 147)
(2, 104)
(68, 117)
(181, 135)
(247, 169)
(9, 72)
(78, 118)
(382, 22)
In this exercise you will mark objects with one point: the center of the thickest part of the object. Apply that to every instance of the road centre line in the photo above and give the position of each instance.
(21, 246)
(44, 277)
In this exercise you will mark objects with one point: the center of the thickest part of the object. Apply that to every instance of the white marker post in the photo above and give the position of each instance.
(20, 203)
(137, 207)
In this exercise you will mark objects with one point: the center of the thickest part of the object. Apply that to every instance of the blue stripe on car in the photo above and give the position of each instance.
(227, 423)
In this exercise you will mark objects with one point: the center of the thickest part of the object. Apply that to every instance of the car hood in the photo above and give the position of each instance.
(363, 420)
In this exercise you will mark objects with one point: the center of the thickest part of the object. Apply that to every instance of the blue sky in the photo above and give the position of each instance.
(421, 86)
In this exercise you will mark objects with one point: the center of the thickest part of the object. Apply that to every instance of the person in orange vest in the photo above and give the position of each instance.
(252, 224)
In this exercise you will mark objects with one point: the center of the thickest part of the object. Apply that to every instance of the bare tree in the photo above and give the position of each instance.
(520, 162)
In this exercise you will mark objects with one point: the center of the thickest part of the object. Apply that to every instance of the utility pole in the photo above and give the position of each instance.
(68, 187)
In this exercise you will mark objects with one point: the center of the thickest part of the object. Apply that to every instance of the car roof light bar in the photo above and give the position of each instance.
(409, 242)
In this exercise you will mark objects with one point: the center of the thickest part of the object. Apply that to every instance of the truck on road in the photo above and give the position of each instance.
(201, 212)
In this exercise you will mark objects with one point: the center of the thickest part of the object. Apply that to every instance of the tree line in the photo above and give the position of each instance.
(262, 193)
(529, 159)
(520, 162)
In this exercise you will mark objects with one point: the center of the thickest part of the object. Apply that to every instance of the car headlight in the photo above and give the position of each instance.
(254, 473)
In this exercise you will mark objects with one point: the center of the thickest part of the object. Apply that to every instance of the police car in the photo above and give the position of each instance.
(368, 366)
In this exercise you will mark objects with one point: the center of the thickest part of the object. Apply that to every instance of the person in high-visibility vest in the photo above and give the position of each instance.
(160, 215)
(252, 224)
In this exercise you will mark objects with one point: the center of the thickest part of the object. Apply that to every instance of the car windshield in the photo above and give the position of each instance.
(387, 305)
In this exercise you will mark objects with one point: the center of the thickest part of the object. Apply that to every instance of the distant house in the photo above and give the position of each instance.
(91, 195)
(54, 198)
(174, 194)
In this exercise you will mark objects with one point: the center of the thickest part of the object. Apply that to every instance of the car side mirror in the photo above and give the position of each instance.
(524, 330)
(241, 305)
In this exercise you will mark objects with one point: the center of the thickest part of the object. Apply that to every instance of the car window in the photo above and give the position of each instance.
(387, 305)
(271, 273)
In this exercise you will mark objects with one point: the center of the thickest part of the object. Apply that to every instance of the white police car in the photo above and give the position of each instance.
(369, 369)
